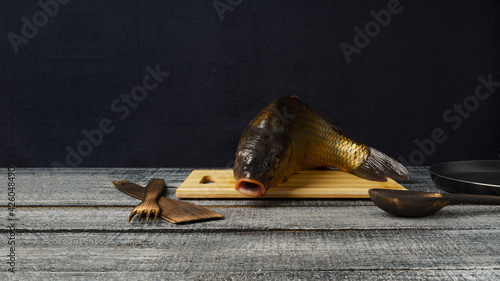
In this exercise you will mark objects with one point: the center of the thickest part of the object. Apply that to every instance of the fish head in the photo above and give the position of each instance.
(262, 159)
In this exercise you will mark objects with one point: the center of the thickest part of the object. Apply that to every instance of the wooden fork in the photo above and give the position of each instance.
(150, 205)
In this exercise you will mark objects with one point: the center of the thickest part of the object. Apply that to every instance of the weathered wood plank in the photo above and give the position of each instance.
(260, 219)
(306, 275)
(93, 187)
(243, 252)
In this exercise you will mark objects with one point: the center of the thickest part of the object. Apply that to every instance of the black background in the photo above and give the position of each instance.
(224, 69)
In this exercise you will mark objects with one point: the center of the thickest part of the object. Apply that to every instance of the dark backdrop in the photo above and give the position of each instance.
(73, 93)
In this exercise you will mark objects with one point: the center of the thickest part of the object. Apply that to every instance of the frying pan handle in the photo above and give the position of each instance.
(473, 199)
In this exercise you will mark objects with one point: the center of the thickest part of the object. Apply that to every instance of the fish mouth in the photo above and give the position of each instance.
(250, 187)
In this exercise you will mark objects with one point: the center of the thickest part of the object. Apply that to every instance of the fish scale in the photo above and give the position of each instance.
(324, 145)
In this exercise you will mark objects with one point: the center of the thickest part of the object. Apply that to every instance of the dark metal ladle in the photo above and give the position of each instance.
(419, 204)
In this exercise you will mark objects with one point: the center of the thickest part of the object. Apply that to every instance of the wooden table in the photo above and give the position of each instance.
(72, 224)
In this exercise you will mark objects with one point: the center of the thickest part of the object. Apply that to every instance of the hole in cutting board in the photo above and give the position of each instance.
(207, 179)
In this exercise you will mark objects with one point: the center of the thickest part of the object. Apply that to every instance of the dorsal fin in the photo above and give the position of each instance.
(334, 125)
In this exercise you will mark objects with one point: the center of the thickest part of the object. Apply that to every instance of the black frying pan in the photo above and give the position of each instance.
(473, 177)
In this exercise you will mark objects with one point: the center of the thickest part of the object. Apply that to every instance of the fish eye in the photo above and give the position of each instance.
(277, 163)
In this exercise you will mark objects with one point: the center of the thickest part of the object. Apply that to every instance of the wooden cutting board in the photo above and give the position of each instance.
(305, 184)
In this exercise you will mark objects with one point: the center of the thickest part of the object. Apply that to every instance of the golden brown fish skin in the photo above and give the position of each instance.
(318, 141)
(288, 136)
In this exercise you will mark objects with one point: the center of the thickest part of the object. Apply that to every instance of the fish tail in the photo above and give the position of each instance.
(378, 167)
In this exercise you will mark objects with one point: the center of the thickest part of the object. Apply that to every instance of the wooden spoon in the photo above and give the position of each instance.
(419, 204)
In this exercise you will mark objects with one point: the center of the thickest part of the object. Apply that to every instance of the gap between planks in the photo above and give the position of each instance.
(240, 231)
(206, 206)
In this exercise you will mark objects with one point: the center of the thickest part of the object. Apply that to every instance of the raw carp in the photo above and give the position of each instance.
(288, 136)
